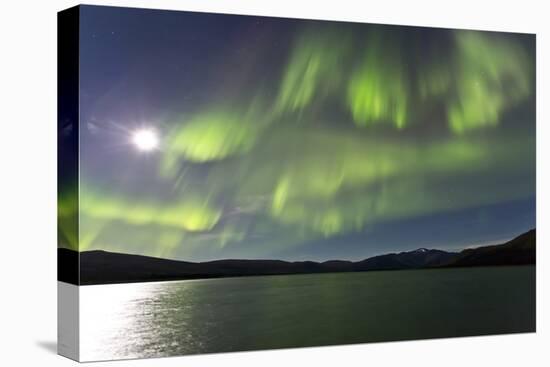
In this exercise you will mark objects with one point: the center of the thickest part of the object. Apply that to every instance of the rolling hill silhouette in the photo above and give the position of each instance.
(102, 267)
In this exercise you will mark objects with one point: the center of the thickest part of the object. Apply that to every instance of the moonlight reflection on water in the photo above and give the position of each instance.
(221, 315)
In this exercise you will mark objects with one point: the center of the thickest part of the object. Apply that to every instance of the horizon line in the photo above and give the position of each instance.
(470, 247)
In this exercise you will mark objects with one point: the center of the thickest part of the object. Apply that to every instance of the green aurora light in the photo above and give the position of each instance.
(355, 132)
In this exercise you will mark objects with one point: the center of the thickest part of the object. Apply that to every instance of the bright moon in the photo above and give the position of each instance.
(145, 140)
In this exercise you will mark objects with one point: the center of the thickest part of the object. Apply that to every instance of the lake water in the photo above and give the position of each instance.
(231, 314)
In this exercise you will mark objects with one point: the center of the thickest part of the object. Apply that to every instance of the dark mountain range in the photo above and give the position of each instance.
(519, 251)
(100, 267)
(421, 258)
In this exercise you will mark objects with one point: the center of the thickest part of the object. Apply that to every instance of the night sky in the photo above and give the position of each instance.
(298, 139)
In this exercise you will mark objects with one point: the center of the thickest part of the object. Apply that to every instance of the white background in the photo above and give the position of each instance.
(28, 183)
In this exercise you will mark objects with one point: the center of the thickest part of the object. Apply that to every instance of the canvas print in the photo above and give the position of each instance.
(238, 183)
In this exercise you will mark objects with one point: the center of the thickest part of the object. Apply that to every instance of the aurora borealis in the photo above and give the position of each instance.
(296, 139)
